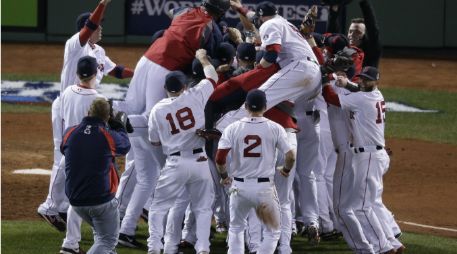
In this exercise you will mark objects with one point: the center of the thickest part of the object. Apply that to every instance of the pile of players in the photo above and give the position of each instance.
(204, 104)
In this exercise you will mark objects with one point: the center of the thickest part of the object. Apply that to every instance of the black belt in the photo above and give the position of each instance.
(178, 153)
(259, 180)
(310, 113)
(361, 149)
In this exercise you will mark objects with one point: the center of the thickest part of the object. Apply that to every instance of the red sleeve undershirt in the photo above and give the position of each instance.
(330, 96)
(95, 18)
(318, 53)
(221, 156)
(274, 47)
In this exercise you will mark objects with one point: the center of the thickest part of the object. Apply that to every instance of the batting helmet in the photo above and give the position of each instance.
(218, 7)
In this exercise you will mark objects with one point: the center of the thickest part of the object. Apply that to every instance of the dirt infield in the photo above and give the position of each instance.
(419, 187)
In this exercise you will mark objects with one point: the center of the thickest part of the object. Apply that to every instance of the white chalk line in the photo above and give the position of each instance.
(428, 226)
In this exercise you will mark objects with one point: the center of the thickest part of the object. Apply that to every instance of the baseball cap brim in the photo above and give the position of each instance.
(363, 75)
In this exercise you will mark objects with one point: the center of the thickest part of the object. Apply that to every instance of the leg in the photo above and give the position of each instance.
(147, 172)
(126, 184)
(169, 186)
(174, 222)
(73, 234)
(201, 191)
(239, 210)
(271, 235)
(253, 231)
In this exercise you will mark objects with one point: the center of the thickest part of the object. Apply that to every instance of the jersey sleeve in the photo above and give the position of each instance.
(108, 65)
(153, 129)
(225, 142)
(121, 141)
(270, 33)
(73, 45)
(283, 144)
(349, 101)
(204, 89)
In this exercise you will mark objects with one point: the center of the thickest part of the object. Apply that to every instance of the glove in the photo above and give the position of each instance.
(340, 62)
(209, 134)
(309, 21)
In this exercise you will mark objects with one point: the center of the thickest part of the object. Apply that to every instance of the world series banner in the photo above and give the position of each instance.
(145, 17)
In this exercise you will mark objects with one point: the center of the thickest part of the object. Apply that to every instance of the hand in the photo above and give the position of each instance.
(341, 80)
(201, 54)
(226, 182)
(234, 35)
(283, 171)
(105, 2)
(223, 68)
(235, 4)
(309, 22)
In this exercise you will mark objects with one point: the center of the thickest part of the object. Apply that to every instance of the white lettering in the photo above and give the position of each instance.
(156, 10)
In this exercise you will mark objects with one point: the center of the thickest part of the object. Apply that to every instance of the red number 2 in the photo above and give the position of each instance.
(381, 107)
(257, 141)
(185, 119)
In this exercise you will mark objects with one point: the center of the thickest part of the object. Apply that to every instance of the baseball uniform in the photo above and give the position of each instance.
(173, 122)
(253, 142)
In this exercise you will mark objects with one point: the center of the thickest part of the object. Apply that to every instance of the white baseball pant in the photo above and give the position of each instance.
(182, 173)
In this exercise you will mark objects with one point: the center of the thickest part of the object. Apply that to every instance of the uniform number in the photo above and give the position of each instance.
(185, 119)
(251, 145)
(381, 108)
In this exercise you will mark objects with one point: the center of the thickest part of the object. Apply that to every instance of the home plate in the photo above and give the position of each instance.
(33, 171)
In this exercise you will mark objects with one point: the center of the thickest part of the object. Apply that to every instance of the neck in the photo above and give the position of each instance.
(256, 114)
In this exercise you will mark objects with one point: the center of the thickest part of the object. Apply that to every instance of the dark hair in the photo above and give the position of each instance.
(358, 20)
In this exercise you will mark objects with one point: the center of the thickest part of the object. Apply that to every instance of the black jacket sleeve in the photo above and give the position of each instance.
(372, 45)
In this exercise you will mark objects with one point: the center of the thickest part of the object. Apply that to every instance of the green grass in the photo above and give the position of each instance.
(37, 237)
(436, 127)
(25, 108)
(53, 78)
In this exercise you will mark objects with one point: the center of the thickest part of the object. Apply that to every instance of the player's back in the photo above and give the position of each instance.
(178, 118)
(76, 101)
(176, 48)
(294, 47)
(367, 117)
(254, 141)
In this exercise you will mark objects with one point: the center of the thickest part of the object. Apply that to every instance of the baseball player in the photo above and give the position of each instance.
(172, 125)
(83, 43)
(283, 43)
(76, 101)
(190, 29)
(370, 160)
(253, 142)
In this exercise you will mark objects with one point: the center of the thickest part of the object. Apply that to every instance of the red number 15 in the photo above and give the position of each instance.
(381, 107)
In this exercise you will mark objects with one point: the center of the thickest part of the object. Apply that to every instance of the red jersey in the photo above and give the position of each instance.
(188, 32)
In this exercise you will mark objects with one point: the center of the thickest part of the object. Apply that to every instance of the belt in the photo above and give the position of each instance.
(178, 153)
(367, 149)
(259, 180)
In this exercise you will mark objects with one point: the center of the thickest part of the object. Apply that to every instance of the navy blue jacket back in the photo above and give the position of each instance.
(89, 149)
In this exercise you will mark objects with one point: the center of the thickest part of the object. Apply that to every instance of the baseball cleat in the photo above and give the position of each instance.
(313, 235)
(64, 250)
(129, 241)
(55, 221)
(185, 245)
(330, 236)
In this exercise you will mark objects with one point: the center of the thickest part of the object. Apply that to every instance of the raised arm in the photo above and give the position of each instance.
(93, 22)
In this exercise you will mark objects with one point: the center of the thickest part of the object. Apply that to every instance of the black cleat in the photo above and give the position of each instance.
(55, 221)
(129, 241)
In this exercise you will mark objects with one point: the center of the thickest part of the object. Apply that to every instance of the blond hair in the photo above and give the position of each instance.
(100, 108)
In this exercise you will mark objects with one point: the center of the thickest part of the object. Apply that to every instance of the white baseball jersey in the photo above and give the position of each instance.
(73, 52)
(173, 121)
(76, 101)
(293, 45)
(367, 115)
(253, 142)
(339, 121)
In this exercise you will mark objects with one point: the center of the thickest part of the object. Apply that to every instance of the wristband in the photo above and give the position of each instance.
(224, 175)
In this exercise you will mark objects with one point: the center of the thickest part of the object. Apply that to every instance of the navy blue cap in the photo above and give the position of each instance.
(266, 8)
(225, 52)
(226, 38)
(256, 100)
(369, 72)
(81, 20)
(87, 66)
(175, 81)
(246, 51)
(319, 39)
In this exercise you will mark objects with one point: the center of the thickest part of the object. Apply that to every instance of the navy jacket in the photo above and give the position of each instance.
(89, 149)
